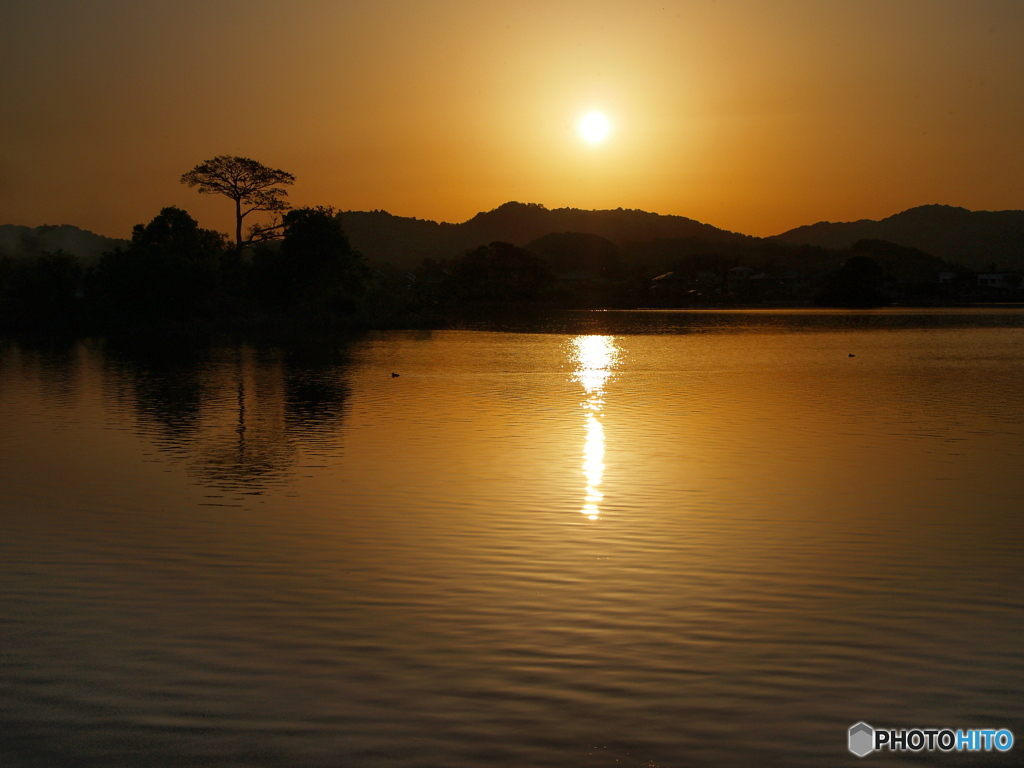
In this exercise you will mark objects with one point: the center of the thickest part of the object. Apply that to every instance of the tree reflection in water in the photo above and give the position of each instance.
(236, 415)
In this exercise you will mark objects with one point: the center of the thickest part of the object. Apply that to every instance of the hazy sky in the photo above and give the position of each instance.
(752, 116)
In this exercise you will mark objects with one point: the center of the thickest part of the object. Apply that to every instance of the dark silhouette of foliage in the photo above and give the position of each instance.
(910, 274)
(499, 272)
(857, 283)
(170, 269)
(46, 286)
(589, 270)
(579, 253)
(6, 278)
(314, 266)
(251, 185)
(900, 262)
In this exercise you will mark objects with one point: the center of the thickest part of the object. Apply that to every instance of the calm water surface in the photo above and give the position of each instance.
(615, 539)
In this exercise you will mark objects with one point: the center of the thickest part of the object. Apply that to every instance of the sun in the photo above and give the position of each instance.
(594, 128)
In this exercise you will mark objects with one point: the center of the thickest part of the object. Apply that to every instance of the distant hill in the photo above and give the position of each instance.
(573, 253)
(24, 242)
(381, 236)
(975, 239)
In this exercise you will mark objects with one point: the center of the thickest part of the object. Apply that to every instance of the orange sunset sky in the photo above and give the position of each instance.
(751, 116)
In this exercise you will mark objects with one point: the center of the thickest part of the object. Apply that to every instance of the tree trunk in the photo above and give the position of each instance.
(238, 225)
(235, 260)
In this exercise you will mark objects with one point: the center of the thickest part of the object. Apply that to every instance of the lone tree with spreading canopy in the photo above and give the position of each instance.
(252, 186)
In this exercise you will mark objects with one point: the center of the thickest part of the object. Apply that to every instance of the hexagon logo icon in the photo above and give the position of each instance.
(862, 737)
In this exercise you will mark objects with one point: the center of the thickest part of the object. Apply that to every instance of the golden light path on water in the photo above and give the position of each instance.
(595, 358)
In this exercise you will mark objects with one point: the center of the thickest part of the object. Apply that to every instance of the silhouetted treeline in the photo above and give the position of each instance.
(173, 271)
(312, 269)
(47, 286)
(499, 273)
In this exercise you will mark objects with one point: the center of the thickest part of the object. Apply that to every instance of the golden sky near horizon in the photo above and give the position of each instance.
(751, 116)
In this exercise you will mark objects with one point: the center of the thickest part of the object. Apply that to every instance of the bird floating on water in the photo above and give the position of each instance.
(393, 374)
(851, 355)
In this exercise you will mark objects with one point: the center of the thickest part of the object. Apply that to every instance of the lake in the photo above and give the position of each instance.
(677, 538)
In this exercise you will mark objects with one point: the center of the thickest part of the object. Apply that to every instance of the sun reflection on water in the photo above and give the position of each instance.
(595, 358)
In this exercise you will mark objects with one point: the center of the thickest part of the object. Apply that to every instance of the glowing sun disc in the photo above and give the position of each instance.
(594, 128)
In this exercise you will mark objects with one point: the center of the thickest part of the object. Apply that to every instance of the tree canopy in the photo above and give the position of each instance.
(314, 267)
(252, 185)
(170, 268)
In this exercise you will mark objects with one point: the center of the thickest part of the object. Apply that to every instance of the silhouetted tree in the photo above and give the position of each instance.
(171, 268)
(252, 185)
(314, 266)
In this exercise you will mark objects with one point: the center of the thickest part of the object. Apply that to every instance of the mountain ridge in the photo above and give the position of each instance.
(404, 241)
(18, 241)
(979, 240)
